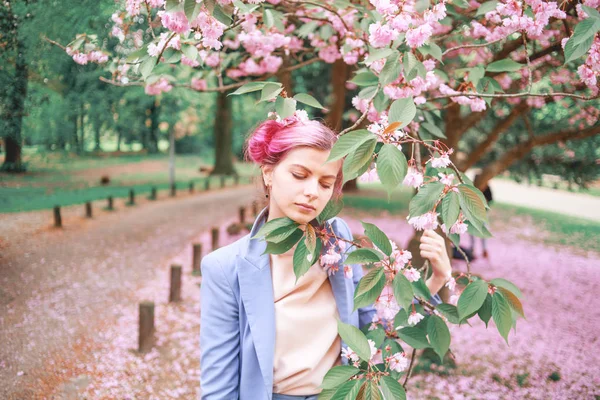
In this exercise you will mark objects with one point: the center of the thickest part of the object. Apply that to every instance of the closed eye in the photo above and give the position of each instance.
(299, 177)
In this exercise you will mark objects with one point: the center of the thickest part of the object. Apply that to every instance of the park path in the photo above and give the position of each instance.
(575, 204)
(57, 286)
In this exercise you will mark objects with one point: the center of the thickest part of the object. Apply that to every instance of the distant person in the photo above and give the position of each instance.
(487, 193)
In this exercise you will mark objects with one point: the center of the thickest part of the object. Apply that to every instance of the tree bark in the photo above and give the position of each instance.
(339, 75)
(154, 119)
(286, 77)
(519, 151)
(13, 117)
(223, 137)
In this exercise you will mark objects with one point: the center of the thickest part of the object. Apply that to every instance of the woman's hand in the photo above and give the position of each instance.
(433, 248)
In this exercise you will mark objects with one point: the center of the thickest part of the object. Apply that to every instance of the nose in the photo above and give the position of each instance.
(311, 189)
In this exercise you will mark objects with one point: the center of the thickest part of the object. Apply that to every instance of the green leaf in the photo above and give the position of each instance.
(391, 166)
(191, 9)
(355, 339)
(449, 311)
(365, 79)
(476, 73)
(272, 225)
(280, 234)
(370, 286)
(472, 298)
(486, 7)
(348, 143)
(472, 205)
(147, 66)
(303, 258)
(270, 90)
(381, 101)
(574, 51)
(141, 53)
(433, 129)
(392, 390)
(439, 335)
(431, 49)
(391, 70)
(285, 107)
(414, 337)
(332, 209)
(249, 87)
(284, 245)
(503, 283)
(338, 375)
(450, 208)
(171, 4)
(268, 18)
(376, 335)
(591, 12)
(420, 289)
(307, 29)
(425, 199)
(363, 256)
(189, 51)
(403, 291)
(403, 111)
(505, 65)
(369, 391)
(378, 237)
(368, 92)
(347, 391)
(485, 312)
(401, 318)
(513, 301)
(221, 16)
(585, 29)
(409, 62)
(363, 154)
(308, 100)
(378, 54)
(501, 314)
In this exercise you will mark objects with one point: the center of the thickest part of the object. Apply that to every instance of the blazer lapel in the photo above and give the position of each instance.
(339, 285)
(256, 290)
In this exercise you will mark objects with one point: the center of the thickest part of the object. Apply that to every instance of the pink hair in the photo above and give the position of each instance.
(271, 140)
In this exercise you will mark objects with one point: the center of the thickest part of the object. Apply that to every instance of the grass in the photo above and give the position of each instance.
(62, 179)
(372, 198)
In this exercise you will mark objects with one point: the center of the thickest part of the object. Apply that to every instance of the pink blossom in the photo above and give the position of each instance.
(440, 162)
(425, 221)
(369, 176)
(350, 354)
(331, 257)
(174, 21)
(413, 178)
(446, 179)
(418, 36)
(348, 273)
(80, 58)
(160, 86)
(451, 284)
(372, 347)
(384, 6)
(411, 274)
(189, 61)
(401, 257)
(381, 35)
(453, 299)
(386, 305)
(401, 22)
(398, 362)
(199, 84)
(414, 318)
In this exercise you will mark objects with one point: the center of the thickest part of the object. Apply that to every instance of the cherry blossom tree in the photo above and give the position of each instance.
(425, 73)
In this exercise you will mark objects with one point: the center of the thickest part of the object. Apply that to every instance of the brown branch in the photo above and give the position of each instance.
(412, 361)
(516, 95)
(471, 46)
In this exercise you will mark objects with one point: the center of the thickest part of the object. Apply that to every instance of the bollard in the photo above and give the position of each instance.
(152, 194)
(207, 184)
(131, 197)
(175, 291)
(173, 190)
(191, 187)
(255, 208)
(242, 215)
(222, 181)
(215, 238)
(196, 258)
(146, 329)
(88, 209)
(110, 203)
(57, 218)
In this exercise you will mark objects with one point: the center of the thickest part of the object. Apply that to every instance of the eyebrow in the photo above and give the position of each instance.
(309, 171)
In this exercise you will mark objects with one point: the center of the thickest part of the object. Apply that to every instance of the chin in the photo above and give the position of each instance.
(303, 218)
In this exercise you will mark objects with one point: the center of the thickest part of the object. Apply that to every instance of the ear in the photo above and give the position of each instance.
(267, 174)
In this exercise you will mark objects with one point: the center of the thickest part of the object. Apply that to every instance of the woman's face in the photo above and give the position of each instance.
(301, 184)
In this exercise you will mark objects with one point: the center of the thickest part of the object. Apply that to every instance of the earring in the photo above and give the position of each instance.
(268, 190)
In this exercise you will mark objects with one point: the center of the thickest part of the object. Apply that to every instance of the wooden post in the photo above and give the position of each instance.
(222, 181)
(57, 217)
(207, 183)
(152, 194)
(88, 209)
(196, 258)
(215, 238)
(110, 203)
(131, 196)
(146, 329)
(175, 291)
(242, 215)
(173, 190)
(191, 186)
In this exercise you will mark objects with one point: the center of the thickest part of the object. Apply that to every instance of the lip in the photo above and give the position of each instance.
(305, 207)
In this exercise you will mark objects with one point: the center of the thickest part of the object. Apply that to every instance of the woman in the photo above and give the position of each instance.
(263, 335)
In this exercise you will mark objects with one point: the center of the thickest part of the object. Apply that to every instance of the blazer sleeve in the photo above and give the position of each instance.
(219, 334)
(365, 314)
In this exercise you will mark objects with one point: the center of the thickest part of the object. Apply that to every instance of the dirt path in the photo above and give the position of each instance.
(576, 204)
(57, 286)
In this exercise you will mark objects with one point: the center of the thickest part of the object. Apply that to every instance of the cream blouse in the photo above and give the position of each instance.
(307, 344)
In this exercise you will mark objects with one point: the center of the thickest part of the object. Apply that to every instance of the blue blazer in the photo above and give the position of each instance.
(237, 322)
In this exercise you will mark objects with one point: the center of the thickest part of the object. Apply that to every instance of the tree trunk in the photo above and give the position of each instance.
(154, 119)
(81, 128)
(119, 137)
(13, 117)
(74, 132)
(223, 137)
(286, 77)
(97, 131)
(339, 75)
